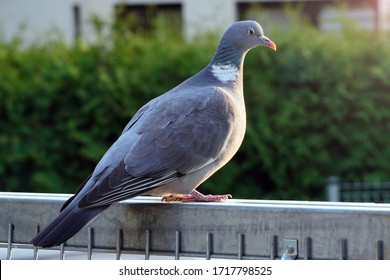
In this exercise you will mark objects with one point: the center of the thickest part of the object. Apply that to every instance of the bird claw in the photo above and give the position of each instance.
(196, 196)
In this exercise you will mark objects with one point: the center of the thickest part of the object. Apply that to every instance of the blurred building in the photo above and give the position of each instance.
(72, 17)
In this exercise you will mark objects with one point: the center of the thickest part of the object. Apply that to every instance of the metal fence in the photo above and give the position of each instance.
(378, 192)
(145, 228)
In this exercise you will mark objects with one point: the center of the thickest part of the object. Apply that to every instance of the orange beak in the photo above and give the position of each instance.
(265, 41)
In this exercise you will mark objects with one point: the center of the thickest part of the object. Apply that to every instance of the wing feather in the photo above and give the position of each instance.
(192, 129)
(120, 185)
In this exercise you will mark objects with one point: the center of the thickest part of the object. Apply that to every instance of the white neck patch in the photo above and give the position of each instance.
(225, 73)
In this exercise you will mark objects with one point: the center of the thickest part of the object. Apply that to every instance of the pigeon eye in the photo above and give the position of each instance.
(251, 31)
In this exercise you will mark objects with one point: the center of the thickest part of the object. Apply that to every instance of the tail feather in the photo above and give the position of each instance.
(70, 221)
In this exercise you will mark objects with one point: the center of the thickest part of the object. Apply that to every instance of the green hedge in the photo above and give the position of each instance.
(319, 106)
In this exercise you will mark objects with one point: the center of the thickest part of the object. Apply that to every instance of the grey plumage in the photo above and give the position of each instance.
(173, 143)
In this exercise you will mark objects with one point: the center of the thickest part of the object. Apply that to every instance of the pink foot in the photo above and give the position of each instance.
(196, 196)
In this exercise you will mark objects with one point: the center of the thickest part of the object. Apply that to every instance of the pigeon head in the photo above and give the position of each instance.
(246, 35)
(237, 40)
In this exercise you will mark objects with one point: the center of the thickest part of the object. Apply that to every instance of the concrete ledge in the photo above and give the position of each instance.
(247, 229)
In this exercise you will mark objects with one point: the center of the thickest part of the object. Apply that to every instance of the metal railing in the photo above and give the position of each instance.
(337, 190)
(145, 227)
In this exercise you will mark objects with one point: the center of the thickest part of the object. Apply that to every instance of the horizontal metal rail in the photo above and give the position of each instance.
(235, 229)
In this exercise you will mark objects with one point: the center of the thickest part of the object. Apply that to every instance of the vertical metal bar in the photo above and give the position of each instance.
(62, 251)
(343, 249)
(177, 245)
(208, 245)
(333, 189)
(274, 247)
(147, 244)
(379, 250)
(308, 248)
(376, 195)
(119, 244)
(35, 252)
(368, 191)
(384, 192)
(346, 192)
(10, 239)
(90, 243)
(240, 248)
(357, 191)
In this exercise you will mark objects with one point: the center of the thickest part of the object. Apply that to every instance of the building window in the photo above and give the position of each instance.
(363, 13)
(324, 14)
(274, 13)
(149, 17)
